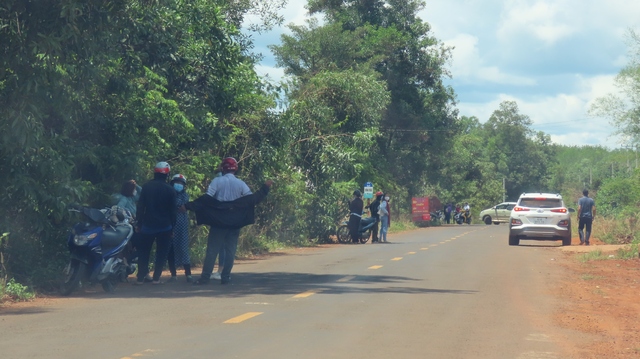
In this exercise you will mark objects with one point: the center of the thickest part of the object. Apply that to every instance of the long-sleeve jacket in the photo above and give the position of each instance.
(231, 214)
(157, 205)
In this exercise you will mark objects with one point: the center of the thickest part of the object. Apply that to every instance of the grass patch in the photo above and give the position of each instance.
(629, 252)
(16, 291)
(591, 256)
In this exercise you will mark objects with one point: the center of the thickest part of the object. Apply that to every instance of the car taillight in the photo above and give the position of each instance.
(520, 209)
(563, 223)
(559, 210)
(516, 222)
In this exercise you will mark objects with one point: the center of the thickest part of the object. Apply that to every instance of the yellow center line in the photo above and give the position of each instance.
(411, 253)
(346, 279)
(306, 294)
(141, 354)
(396, 259)
(443, 242)
(375, 267)
(242, 318)
(423, 249)
(434, 245)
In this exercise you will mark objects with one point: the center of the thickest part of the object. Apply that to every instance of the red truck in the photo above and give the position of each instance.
(421, 208)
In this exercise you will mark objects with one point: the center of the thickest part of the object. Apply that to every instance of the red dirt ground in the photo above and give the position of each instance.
(602, 299)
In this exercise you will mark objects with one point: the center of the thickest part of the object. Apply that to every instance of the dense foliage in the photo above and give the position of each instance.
(95, 92)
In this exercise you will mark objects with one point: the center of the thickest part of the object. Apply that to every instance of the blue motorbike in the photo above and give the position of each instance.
(97, 249)
(366, 226)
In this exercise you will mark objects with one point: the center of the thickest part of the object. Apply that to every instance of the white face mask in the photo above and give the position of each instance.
(135, 192)
(386, 198)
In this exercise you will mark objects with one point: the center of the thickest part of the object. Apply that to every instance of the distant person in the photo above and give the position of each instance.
(586, 215)
(355, 215)
(156, 220)
(373, 208)
(179, 250)
(447, 213)
(384, 218)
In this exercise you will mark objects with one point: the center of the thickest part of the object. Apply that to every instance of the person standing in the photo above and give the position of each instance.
(447, 213)
(179, 250)
(384, 218)
(586, 215)
(156, 220)
(355, 215)
(225, 188)
(374, 207)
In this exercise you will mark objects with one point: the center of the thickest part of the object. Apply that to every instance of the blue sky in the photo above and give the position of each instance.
(552, 57)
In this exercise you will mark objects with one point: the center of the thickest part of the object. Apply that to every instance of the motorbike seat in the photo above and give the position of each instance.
(366, 223)
(113, 238)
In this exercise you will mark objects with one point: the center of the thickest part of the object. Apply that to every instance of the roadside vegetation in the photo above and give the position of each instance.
(94, 93)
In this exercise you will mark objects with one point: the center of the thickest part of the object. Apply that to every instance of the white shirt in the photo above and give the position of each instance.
(227, 188)
(466, 207)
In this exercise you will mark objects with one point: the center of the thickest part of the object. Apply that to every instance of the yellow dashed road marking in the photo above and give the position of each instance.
(443, 242)
(141, 354)
(346, 279)
(306, 294)
(423, 249)
(396, 259)
(411, 253)
(242, 318)
(375, 267)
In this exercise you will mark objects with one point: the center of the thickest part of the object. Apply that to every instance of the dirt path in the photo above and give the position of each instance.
(602, 298)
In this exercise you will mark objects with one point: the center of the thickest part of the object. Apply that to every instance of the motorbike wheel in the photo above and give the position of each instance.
(109, 285)
(343, 234)
(364, 237)
(74, 272)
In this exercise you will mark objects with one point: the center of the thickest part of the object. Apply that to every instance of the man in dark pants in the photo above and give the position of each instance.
(156, 218)
(374, 207)
(355, 215)
(586, 215)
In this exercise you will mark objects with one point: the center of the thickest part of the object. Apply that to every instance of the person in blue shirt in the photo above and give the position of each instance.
(586, 214)
(128, 196)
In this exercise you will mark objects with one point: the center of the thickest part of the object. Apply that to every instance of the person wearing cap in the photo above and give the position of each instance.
(355, 215)
(156, 214)
(373, 208)
(179, 249)
(225, 188)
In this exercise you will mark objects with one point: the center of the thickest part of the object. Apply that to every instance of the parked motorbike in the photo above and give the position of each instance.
(366, 226)
(437, 216)
(97, 249)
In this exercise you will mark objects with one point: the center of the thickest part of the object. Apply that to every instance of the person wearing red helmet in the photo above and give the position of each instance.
(225, 188)
(156, 219)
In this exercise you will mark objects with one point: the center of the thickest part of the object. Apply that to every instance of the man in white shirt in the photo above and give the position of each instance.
(224, 188)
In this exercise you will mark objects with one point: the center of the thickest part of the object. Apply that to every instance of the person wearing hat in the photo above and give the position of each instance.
(225, 188)
(373, 208)
(156, 220)
(179, 250)
(355, 209)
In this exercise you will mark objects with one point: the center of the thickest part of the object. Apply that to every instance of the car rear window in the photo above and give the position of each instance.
(541, 202)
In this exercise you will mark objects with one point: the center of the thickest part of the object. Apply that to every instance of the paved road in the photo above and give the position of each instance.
(446, 292)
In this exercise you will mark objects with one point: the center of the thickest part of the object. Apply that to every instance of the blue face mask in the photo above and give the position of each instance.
(178, 187)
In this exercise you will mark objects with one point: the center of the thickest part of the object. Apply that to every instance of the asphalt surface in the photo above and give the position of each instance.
(443, 292)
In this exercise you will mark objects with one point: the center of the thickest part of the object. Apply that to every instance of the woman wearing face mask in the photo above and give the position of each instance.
(179, 251)
(384, 218)
(128, 196)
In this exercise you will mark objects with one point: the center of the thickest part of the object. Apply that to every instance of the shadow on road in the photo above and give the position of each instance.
(272, 283)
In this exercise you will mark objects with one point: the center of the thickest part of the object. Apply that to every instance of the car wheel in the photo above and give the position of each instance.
(487, 220)
(566, 241)
(514, 240)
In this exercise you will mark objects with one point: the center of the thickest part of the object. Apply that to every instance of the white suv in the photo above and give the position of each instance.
(540, 216)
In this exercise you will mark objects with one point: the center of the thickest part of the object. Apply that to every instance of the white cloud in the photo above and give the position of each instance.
(274, 73)
(467, 65)
(544, 20)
